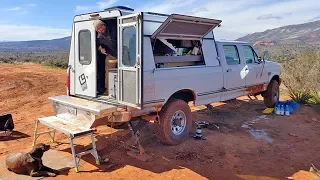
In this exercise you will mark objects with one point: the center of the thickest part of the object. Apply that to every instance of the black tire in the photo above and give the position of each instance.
(164, 130)
(271, 95)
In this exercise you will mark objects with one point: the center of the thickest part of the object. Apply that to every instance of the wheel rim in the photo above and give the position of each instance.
(276, 96)
(178, 122)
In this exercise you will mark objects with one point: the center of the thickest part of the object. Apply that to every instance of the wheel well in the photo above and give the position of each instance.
(277, 78)
(187, 95)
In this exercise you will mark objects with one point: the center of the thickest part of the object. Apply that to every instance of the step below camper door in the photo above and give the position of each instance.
(85, 59)
(129, 61)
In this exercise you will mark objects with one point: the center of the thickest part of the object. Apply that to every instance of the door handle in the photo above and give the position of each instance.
(228, 70)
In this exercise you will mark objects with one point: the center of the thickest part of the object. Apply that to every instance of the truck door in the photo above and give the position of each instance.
(129, 61)
(85, 59)
(234, 72)
(253, 68)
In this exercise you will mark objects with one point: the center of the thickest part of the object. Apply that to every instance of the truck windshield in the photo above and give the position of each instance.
(129, 46)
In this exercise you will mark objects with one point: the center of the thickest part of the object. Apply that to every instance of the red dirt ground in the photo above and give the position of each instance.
(229, 152)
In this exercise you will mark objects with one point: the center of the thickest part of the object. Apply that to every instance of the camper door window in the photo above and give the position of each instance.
(85, 47)
(129, 46)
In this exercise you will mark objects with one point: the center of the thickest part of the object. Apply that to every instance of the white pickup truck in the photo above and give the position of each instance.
(164, 62)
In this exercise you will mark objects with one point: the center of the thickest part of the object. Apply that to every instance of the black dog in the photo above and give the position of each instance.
(30, 163)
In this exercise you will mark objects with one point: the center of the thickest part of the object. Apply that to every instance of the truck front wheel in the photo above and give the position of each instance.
(175, 122)
(271, 95)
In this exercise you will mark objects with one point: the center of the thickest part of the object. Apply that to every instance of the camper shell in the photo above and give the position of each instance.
(143, 90)
(164, 62)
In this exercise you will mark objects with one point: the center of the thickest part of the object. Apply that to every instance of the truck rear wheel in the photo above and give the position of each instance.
(271, 95)
(175, 122)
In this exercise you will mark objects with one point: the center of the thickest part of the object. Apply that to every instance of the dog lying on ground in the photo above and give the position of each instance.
(30, 163)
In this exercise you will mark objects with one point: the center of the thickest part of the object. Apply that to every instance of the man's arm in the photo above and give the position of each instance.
(109, 45)
(102, 50)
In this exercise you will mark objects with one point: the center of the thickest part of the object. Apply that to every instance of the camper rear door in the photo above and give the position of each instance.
(85, 59)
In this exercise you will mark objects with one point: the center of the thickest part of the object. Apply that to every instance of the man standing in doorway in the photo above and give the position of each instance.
(107, 48)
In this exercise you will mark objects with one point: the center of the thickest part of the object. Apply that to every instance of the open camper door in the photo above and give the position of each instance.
(85, 59)
(129, 61)
(185, 27)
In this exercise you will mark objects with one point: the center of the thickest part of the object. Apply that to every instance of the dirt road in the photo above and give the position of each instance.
(273, 148)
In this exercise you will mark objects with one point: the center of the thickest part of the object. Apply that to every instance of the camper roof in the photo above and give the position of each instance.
(121, 8)
(111, 12)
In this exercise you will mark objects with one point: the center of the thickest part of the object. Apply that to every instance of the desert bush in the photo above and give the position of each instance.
(53, 59)
(56, 63)
(302, 97)
(6, 61)
(301, 76)
(315, 97)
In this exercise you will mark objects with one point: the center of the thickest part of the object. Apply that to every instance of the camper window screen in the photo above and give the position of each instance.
(85, 47)
(129, 46)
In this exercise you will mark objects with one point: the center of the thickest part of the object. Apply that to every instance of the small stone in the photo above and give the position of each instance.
(292, 134)
(106, 160)
(314, 119)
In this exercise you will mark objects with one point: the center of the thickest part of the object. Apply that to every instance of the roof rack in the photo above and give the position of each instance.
(119, 8)
(159, 14)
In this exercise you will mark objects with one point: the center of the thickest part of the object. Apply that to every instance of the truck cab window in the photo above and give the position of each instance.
(129, 46)
(249, 54)
(85, 47)
(231, 54)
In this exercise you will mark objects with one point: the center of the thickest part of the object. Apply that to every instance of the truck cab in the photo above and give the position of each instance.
(164, 62)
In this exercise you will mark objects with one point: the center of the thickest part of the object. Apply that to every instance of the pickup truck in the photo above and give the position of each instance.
(164, 63)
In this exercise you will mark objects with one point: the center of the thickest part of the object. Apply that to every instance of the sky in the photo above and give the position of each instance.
(22, 20)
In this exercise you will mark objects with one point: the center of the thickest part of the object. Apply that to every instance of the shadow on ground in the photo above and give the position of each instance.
(229, 151)
(14, 135)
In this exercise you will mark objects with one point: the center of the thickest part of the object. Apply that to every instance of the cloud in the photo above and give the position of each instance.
(13, 9)
(106, 4)
(83, 8)
(315, 18)
(268, 16)
(25, 32)
(239, 17)
(20, 10)
(97, 7)
(30, 5)
(167, 6)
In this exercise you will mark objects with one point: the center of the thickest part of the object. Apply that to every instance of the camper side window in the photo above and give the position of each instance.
(177, 53)
(85, 47)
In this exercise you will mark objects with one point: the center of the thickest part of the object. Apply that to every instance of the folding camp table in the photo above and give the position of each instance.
(75, 118)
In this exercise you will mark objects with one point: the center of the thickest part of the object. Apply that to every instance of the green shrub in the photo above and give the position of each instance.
(53, 59)
(315, 97)
(301, 76)
(56, 63)
(301, 97)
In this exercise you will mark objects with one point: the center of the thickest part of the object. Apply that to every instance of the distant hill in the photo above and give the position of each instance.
(307, 33)
(62, 44)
